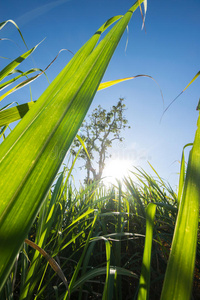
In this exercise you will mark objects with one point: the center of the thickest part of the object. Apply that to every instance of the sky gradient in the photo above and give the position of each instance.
(168, 51)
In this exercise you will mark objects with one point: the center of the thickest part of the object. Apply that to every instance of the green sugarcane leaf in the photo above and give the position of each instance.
(144, 284)
(50, 260)
(180, 268)
(10, 67)
(19, 86)
(193, 79)
(7, 106)
(34, 151)
(13, 114)
(83, 145)
(182, 174)
(102, 271)
(7, 83)
(2, 24)
(107, 286)
(28, 80)
(45, 220)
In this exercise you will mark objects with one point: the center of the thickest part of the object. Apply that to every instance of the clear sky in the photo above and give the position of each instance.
(168, 51)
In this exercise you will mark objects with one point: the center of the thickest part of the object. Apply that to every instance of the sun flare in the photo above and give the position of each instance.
(116, 169)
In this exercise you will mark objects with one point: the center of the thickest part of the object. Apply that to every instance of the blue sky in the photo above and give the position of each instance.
(168, 51)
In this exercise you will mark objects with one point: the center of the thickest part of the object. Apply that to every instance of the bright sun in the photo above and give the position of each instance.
(116, 169)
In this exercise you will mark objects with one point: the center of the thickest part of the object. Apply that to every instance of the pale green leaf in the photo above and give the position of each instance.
(2, 24)
(15, 113)
(144, 284)
(11, 66)
(179, 275)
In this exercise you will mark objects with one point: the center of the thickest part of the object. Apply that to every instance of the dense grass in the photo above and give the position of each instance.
(84, 229)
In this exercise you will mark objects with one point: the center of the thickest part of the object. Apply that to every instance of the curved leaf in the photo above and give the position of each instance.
(11, 66)
(2, 24)
(144, 284)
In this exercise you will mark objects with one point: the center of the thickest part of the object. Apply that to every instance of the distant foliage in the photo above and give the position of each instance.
(99, 131)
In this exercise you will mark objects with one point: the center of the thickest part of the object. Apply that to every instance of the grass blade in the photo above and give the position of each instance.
(2, 24)
(182, 174)
(180, 269)
(193, 79)
(7, 83)
(10, 67)
(50, 260)
(73, 280)
(144, 283)
(14, 113)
